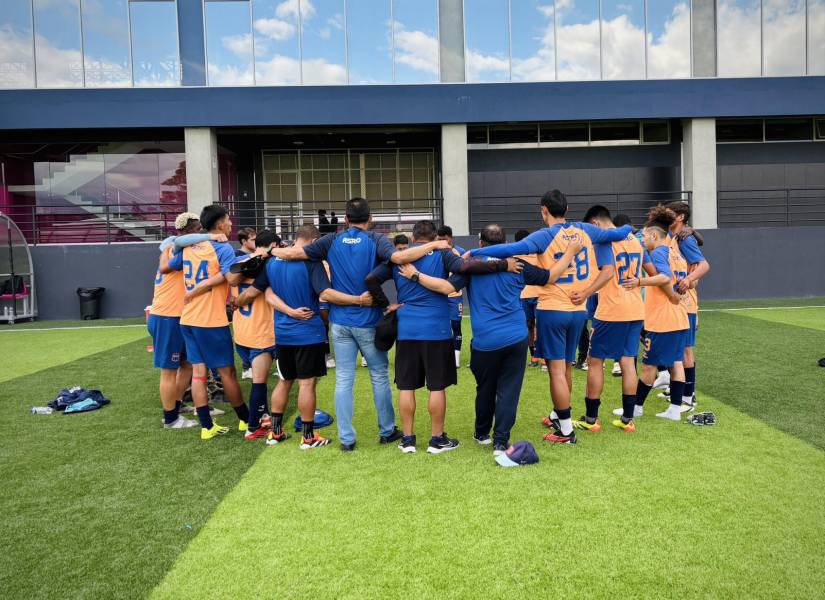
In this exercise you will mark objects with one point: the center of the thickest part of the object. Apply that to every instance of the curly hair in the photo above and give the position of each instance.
(660, 217)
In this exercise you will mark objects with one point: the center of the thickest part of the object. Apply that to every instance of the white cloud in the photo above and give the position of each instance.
(738, 39)
(276, 29)
(228, 75)
(668, 56)
(289, 9)
(416, 49)
(239, 45)
(284, 70)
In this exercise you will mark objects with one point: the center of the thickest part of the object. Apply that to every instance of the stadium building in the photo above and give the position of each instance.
(115, 115)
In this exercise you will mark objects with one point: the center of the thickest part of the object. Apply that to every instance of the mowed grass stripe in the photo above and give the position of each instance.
(812, 318)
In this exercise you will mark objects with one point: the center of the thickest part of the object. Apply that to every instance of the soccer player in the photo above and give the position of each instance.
(698, 267)
(204, 324)
(445, 232)
(401, 242)
(352, 254)
(254, 328)
(617, 324)
(561, 312)
(296, 288)
(666, 320)
(500, 335)
(529, 300)
(246, 238)
(424, 347)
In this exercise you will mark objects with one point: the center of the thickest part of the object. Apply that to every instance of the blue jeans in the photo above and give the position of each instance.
(347, 341)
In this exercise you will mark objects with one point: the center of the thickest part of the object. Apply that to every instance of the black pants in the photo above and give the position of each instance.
(499, 374)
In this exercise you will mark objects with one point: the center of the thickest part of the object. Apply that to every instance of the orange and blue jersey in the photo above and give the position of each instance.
(253, 324)
(661, 315)
(167, 300)
(689, 249)
(199, 262)
(550, 244)
(530, 291)
(615, 302)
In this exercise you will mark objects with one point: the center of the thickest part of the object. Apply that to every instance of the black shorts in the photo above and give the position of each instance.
(301, 362)
(417, 361)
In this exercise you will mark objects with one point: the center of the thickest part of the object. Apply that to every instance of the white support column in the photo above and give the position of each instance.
(454, 187)
(699, 169)
(201, 167)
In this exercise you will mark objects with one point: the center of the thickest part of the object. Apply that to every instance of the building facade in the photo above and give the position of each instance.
(115, 115)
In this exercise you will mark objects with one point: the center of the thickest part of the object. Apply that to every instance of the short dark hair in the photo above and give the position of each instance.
(321, 211)
(445, 230)
(493, 234)
(555, 202)
(307, 232)
(424, 230)
(358, 211)
(266, 237)
(680, 207)
(598, 212)
(521, 234)
(400, 239)
(245, 233)
(210, 215)
(622, 219)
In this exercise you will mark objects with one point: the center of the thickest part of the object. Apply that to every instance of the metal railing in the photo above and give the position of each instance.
(521, 211)
(286, 217)
(774, 207)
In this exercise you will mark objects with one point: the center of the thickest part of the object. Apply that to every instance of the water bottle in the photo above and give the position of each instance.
(41, 410)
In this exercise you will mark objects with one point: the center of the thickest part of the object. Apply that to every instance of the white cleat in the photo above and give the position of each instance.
(181, 423)
(662, 380)
(688, 404)
(247, 374)
(617, 369)
(670, 415)
(638, 411)
(363, 362)
(330, 362)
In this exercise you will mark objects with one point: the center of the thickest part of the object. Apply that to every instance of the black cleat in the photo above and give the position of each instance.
(393, 437)
(348, 447)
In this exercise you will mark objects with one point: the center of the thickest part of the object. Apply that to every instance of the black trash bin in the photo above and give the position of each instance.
(90, 302)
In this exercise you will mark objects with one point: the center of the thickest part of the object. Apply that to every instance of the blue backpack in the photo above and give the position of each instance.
(322, 419)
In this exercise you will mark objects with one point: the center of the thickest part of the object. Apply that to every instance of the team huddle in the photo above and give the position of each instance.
(287, 303)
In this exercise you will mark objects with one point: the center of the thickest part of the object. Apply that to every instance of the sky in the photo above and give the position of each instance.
(286, 42)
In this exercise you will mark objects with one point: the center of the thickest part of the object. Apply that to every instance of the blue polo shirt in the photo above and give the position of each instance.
(352, 255)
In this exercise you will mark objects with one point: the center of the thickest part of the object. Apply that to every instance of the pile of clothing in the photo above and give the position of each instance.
(78, 400)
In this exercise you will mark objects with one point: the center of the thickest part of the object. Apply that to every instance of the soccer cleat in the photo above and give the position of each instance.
(392, 437)
(689, 404)
(243, 426)
(208, 434)
(499, 449)
(180, 423)
(662, 380)
(363, 362)
(315, 441)
(259, 433)
(348, 447)
(442, 444)
(544, 367)
(557, 437)
(483, 440)
(551, 423)
(407, 446)
(617, 370)
(330, 362)
(582, 423)
(670, 415)
(187, 409)
(246, 373)
(581, 365)
(665, 394)
(273, 439)
(638, 411)
(265, 421)
(704, 418)
(216, 412)
(629, 427)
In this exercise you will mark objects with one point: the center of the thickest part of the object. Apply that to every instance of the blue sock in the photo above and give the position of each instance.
(204, 417)
(243, 412)
(628, 405)
(563, 414)
(257, 404)
(677, 389)
(592, 407)
(170, 416)
(690, 380)
(642, 390)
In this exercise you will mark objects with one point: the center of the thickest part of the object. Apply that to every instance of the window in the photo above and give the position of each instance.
(784, 42)
(228, 43)
(516, 133)
(533, 40)
(486, 33)
(668, 39)
(322, 40)
(275, 42)
(781, 130)
(415, 35)
(577, 40)
(369, 41)
(564, 132)
(614, 131)
(106, 43)
(739, 38)
(476, 134)
(57, 43)
(819, 125)
(739, 130)
(16, 41)
(623, 39)
(155, 59)
(655, 132)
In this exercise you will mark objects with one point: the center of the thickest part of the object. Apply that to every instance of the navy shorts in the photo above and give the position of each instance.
(210, 346)
(693, 326)
(558, 334)
(528, 305)
(664, 348)
(169, 350)
(248, 355)
(615, 339)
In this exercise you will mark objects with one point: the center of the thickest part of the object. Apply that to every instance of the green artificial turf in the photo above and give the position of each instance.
(108, 505)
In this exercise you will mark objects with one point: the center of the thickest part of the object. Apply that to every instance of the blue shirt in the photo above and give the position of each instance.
(495, 304)
(352, 255)
(298, 284)
(456, 300)
(690, 250)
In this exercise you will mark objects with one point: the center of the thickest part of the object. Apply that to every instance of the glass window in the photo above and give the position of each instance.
(816, 37)
(228, 43)
(577, 34)
(369, 41)
(655, 132)
(16, 47)
(517, 133)
(533, 40)
(739, 38)
(476, 134)
(820, 128)
(623, 39)
(322, 40)
(277, 55)
(57, 43)
(739, 130)
(668, 39)
(781, 130)
(486, 40)
(155, 43)
(563, 132)
(416, 41)
(614, 131)
(784, 45)
(106, 43)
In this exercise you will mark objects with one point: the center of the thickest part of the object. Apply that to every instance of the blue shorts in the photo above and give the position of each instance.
(456, 309)
(664, 348)
(528, 305)
(169, 349)
(248, 355)
(210, 346)
(693, 326)
(615, 339)
(558, 334)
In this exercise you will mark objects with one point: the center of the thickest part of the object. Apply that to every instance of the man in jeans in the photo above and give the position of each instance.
(352, 254)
